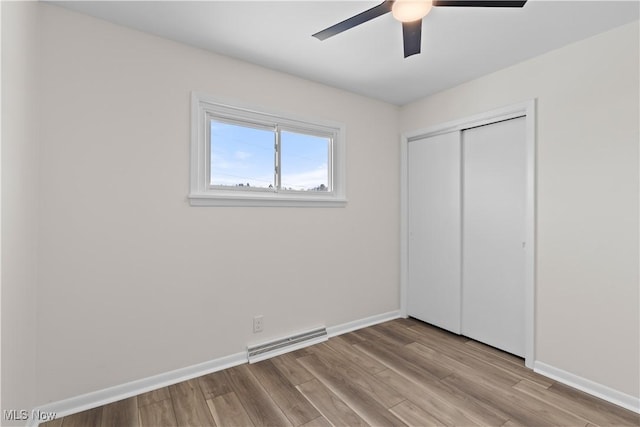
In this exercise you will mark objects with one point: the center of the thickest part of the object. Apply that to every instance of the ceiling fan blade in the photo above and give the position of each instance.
(412, 36)
(480, 3)
(361, 18)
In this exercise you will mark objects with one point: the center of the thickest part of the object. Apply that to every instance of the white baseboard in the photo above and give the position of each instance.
(108, 395)
(333, 331)
(593, 388)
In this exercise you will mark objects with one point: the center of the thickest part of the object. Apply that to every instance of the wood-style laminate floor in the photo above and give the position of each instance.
(401, 372)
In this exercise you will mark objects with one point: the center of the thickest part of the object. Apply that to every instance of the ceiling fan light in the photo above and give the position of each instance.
(410, 10)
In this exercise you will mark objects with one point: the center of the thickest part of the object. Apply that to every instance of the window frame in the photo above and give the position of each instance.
(204, 107)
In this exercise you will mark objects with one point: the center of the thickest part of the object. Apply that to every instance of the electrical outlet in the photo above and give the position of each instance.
(258, 323)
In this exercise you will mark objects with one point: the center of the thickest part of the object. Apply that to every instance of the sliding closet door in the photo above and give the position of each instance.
(434, 230)
(493, 232)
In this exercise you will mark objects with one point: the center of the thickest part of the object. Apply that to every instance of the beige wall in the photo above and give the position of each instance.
(134, 281)
(587, 311)
(19, 204)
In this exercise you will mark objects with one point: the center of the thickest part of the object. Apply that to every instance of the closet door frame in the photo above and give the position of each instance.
(526, 109)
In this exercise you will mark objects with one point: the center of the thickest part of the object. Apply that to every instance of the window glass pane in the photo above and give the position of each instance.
(241, 156)
(305, 162)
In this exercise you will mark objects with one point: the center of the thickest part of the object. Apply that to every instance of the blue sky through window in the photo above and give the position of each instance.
(304, 162)
(242, 155)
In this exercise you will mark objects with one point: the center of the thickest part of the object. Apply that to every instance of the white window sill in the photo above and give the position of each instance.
(268, 200)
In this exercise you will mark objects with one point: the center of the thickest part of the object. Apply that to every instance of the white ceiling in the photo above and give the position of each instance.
(458, 44)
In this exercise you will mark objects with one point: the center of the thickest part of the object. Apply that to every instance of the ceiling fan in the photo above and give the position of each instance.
(410, 13)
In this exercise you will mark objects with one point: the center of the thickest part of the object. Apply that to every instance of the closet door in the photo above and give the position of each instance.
(434, 230)
(493, 234)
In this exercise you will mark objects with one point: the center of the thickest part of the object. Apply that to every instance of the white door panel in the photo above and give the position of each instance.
(434, 230)
(493, 232)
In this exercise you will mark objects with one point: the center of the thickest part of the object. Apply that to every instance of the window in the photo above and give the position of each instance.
(242, 157)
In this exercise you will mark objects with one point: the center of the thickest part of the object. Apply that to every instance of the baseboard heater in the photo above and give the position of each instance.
(264, 351)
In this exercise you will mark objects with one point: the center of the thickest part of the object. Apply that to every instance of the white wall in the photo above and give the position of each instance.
(19, 204)
(587, 311)
(134, 281)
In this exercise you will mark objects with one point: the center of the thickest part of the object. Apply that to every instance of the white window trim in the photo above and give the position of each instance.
(201, 194)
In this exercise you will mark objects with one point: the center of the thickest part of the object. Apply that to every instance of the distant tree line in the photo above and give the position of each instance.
(320, 187)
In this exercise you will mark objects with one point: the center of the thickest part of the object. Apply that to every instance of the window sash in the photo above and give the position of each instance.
(330, 169)
(210, 118)
(277, 130)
